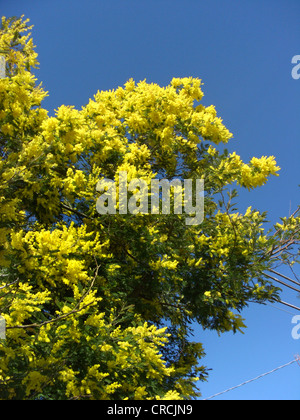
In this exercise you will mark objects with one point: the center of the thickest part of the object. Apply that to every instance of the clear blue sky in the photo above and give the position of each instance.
(242, 50)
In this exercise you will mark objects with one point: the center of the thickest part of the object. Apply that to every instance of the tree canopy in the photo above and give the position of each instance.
(100, 306)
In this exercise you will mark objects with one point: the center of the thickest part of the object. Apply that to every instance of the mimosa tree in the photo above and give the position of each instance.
(99, 306)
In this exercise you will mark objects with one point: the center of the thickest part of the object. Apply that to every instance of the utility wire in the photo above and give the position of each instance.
(280, 309)
(297, 359)
(282, 282)
(288, 304)
(285, 277)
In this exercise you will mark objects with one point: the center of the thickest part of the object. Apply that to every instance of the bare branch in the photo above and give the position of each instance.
(9, 284)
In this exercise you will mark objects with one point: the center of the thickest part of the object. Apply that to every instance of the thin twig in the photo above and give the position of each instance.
(9, 284)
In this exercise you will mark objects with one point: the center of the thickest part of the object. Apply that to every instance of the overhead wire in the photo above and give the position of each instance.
(284, 284)
(280, 309)
(296, 360)
(288, 304)
(297, 357)
(285, 277)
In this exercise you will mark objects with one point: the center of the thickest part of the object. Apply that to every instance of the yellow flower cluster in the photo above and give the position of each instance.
(66, 244)
(252, 175)
(133, 351)
(50, 259)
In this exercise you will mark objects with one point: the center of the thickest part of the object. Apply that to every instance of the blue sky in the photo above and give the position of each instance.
(242, 51)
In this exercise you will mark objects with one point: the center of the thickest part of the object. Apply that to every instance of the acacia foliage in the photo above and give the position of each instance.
(99, 306)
